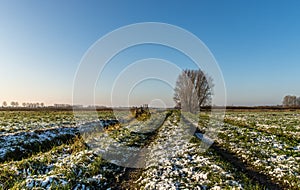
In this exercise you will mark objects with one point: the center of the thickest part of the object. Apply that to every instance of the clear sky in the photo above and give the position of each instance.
(256, 44)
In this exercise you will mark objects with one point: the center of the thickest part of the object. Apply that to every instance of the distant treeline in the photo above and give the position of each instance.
(15, 104)
(52, 108)
(103, 108)
(291, 101)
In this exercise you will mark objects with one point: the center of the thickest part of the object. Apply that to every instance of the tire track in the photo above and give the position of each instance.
(246, 168)
(132, 174)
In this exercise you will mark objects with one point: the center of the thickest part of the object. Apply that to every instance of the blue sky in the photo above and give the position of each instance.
(256, 44)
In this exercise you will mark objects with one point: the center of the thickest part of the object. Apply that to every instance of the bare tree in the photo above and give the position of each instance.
(285, 101)
(289, 101)
(12, 104)
(17, 104)
(298, 102)
(24, 104)
(193, 90)
(4, 104)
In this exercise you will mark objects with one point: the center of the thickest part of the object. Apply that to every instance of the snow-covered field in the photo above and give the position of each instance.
(17, 121)
(174, 163)
(279, 123)
(175, 158)
(267, 142)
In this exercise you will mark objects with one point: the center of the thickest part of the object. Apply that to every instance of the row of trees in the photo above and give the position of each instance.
(16, 104)
(291, 101)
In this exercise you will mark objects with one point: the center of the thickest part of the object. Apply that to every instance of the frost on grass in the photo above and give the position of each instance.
(66, 166)
(16, 145)
(263, 140)
(175, 163)
(171, 163)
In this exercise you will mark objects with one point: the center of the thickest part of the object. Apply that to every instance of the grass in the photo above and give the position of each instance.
(71, 160)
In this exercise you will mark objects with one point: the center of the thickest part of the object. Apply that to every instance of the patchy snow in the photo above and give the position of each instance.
(174, 163)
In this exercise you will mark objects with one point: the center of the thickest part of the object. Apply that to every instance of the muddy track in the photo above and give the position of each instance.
(253, 174)
(127, 181)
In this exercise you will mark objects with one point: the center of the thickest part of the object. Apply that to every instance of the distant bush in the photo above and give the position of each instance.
(142, 113)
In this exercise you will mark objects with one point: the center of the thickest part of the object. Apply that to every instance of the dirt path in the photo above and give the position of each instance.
(131, 175)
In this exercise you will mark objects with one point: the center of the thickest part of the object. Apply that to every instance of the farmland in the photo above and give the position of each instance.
(54, 149)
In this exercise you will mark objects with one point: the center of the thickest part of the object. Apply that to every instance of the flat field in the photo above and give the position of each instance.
(52, 149)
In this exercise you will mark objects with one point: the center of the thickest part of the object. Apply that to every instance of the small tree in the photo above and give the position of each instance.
(12, 104)
(193, 90)
(4, 104)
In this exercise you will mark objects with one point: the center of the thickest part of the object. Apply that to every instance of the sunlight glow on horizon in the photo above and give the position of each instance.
(42, 44)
